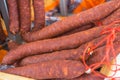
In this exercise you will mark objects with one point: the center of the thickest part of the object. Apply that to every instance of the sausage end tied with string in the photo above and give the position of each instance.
(109, 48)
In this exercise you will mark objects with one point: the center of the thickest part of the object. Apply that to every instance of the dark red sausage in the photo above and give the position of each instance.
(100, 53)
(73, 54)
(74, 21)
(39, 14)
(88, 77)
(51, 69)
(56, 44)
(25, 15)
(50, 45)
(85, 27)
(13, 16)
(12, 44)
(114, 16)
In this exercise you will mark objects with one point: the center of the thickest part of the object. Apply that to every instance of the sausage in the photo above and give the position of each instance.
(85, 27)
(74, 21)
(39, 14)
(114, 16)
(13, 16)
(25, 15)
(66, 69)
(91, 76)
(100, 53)
(88, 77)
(12, 44)
(55, 44)
(72, 54)
(109, 19)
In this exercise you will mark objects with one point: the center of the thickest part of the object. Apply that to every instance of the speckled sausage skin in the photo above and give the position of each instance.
(66, 69)
(2, 34)
(88, 77)
(74, 21)
(39, 14)
(100, 53)
(82, 28)
(50, 45)
(12, 45)
(73, 54)
(13, 16)
(114, 16)
(25, 15)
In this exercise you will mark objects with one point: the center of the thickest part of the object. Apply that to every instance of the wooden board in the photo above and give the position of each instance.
(5, 76)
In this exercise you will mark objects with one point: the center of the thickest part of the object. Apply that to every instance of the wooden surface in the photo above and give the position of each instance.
(5, 76)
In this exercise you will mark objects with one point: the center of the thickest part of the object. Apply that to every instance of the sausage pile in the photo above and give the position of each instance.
(20, 15)
(71, 49)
